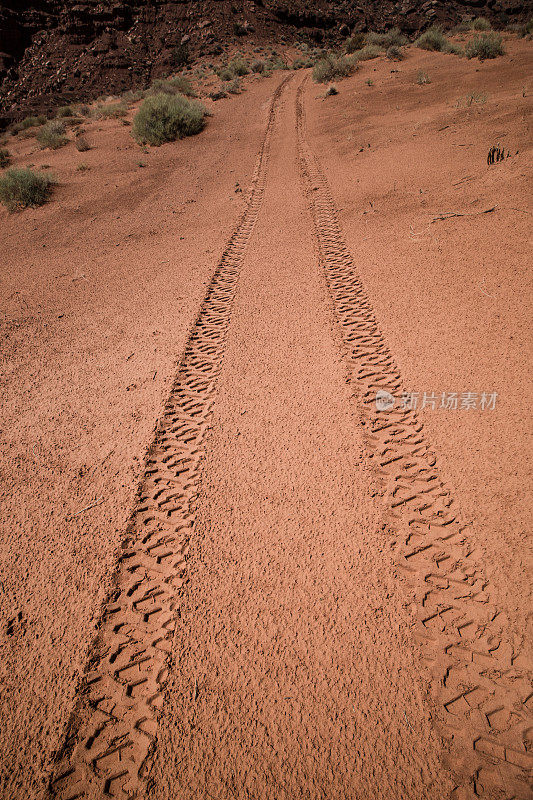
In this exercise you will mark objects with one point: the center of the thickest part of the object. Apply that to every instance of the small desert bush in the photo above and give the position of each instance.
(82, 145)
(180, 55)
(52, 135)
(164, 118)
(65, 111)
(5, 158)
(258, 66)
(432, 39)
(234, 86)
(20, 188)
(331, 91)
(110, 111)
(303, 63)
(395, 53)
(239, 67)
(367, 53)
(225, 74)
(486, 45)
(355, 42)
(480, 24)
(26, 123)
(330, 67)
(276, 62)
(183, 85)
(422, 78)
(388, 39)
(453, 49)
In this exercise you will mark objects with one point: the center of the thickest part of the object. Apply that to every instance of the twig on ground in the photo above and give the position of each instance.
(450, 214)
(91, 505)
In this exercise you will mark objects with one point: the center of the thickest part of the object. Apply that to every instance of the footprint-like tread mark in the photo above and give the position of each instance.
(112, 730)
(479, 675)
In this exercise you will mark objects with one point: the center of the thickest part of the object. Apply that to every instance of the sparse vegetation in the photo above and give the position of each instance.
(82, 167)
(52, 135)
(486, 45)
(65, 111)
(5, 158)
(234, 86)
(395, 53)
(22, 188)
(239, 67)
(355, 42)
(332, 90)
(164, 118)
(422, 78)
(473, 98)
(258, 66)
(480, 24)
(179, 84)
(110, 111)
(303, 62)
(369, 82)
(26, 123)
(385, 40)
(367, 53)
(331, 67)
(433, 39)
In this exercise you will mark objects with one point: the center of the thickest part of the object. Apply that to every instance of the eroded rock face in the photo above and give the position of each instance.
(54, 51)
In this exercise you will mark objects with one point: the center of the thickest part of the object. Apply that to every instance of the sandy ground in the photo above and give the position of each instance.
(295, 628)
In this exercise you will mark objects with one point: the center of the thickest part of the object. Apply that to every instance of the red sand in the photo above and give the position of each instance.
(294, 668)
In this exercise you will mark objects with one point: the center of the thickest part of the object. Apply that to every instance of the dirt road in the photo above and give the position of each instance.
(300, 607)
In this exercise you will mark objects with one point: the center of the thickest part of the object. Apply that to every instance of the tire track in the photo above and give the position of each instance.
(112, 730)
(480, 677)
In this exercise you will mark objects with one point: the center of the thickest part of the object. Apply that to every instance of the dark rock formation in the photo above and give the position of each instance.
(54, 51)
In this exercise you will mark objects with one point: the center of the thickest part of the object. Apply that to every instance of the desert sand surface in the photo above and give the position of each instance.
(224, 573)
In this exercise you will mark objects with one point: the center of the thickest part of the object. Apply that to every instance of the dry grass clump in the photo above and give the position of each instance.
(394, 37)
(179, 84)
(433, 39)
(5, 158)
(165, 118)
(395, 53)
(422, 78)
(367, 53)
(355, 42)
(331, 67)
(485, 45)
(110, 111)
(52, 135)
(480, 24)
(22, 188)
(27, 123)
(82, 145)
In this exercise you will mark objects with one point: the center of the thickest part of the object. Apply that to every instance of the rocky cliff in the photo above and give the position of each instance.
(55, 50)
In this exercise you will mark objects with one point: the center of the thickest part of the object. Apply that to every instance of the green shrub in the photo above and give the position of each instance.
(395, 53)
(5, 158)
(65, 111)
(20, 188)
(486, 45)
(164, 118)
(480, 24)
(303, 63)
(367, 53)
(234, 86)
(239, 67)
(258, 66)
(183, 85)
(26, 123)
(432, 39)
(330, 67)
(110, 111)
(453, 49)
(388, 39)
(52, 135)
(355, 42)
(225, 74)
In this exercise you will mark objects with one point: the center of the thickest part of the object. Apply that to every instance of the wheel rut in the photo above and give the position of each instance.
(111, 732)
(479, 672)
